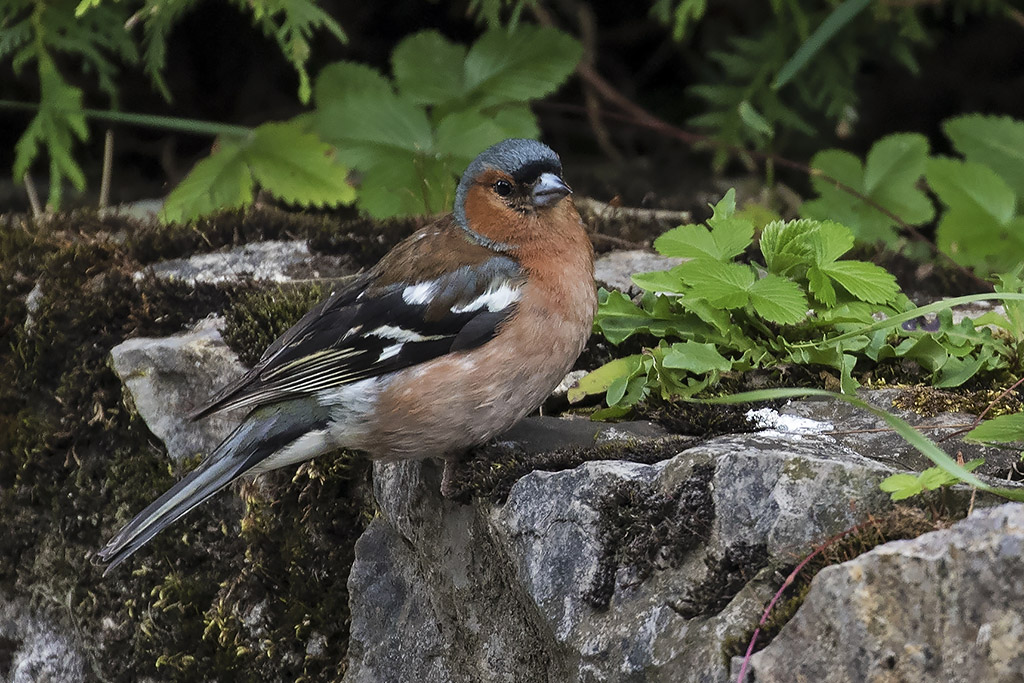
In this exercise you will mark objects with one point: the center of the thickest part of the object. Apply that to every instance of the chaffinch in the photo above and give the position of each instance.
(455, 335)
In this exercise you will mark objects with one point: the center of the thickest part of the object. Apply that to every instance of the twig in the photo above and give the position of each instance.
(617, 241)
(33, 196)
(108, 163)
(786, 584)
(588, 36)
(1015, 15)
(605, 211)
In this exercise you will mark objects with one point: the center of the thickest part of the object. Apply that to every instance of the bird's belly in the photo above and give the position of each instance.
(445, 406)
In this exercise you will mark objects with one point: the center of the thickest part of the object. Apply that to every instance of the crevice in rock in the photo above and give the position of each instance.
(643, 529)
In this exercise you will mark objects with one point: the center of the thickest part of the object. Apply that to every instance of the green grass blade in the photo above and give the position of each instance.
(912, 314)
(839, 18)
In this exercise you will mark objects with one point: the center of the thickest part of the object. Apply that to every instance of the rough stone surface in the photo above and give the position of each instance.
(170, 377)
(946, 606)
(274, 260)
(615, 268)
(540, 588)
(34, 648)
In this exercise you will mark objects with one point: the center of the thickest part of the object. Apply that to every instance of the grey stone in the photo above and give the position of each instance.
(540, 434)
(946, 606)
(430, 574)
(859, 430)
(615, 268)
(170, 377)
(273, 260)
(36, 647)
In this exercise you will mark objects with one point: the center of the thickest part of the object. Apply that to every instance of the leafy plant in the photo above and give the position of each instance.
(982, 225)
(803, 306)
(905, 485)
(293, 163)
(786, 67)
(408, 138)
(97, 33)
(412, 135)
(773, 76)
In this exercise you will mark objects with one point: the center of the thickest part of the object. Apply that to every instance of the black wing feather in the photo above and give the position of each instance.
(352, 335)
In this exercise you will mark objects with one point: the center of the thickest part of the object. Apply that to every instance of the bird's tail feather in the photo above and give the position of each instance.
(265, 432)
(198, 486)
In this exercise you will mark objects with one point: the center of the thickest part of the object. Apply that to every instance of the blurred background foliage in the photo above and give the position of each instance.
(379, 105)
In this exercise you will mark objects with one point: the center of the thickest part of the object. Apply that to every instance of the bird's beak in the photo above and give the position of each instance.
(548, 189)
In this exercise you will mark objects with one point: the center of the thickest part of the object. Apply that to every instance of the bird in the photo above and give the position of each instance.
(454, 336)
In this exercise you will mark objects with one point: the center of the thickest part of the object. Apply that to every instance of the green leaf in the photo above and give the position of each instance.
(220, 181)
(820, 285)
(428, 68)
(520, 65)
(995, 141)
(866, 281)
(346, 94)
(754, 120)
(779, 300)
(831, 240)
(601, 380)
(722, 284)
(926, 351)
(1002, 429)
(836, 20)
(296, 166)
(901, 486)
(784, 245)
(660, 281)
(696, 358)
(895, 161)
(56, 126)
(728, 237)
(980, 228)
(618, 318)
(894, 165)
(956, 371)
(970, 186)
(290, 163)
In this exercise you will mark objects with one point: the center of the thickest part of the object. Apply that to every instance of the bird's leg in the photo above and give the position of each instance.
(449, 487)
(455, 484)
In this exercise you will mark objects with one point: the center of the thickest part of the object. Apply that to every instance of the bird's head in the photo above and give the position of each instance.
(508, 188)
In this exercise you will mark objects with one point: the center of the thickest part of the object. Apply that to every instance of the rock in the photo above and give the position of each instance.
(35, 648)
(945, 606)
(863, 432)
(612, 571)
(170, 377)
(615, 268)
(274, 260)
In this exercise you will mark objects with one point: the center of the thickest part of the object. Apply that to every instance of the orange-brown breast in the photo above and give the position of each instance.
(449, 404)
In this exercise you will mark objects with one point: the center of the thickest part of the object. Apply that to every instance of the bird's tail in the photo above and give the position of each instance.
(266, 432)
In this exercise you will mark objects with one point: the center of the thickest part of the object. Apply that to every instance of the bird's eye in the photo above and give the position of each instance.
(503, 188)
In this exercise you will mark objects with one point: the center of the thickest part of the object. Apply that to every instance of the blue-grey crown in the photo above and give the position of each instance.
(521, 158)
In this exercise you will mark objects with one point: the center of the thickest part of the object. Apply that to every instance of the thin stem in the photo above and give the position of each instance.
(33, 196)
(192, 126)
(108, 163)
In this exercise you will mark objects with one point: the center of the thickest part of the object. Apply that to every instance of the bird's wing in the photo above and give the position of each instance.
(372, 328)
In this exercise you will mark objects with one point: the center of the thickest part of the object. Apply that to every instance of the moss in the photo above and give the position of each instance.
(900, 522)
(255, 318)
(929, 401)
(490, 471)
(643, 528)
(76, 463)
